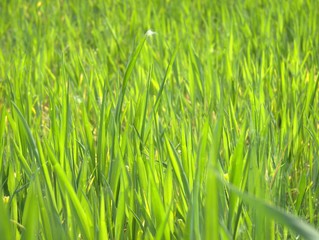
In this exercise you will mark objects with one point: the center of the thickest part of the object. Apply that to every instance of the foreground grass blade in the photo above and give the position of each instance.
(178, 168)
(292, 222)
(30, 219)
(5, 225)
(84, 219)
(102, 224)
(212, 228)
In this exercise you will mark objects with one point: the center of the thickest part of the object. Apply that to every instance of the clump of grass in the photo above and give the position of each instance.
(204, 130)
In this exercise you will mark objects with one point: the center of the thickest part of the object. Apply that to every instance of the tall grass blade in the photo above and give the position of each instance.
(286, 219)
(127, 75)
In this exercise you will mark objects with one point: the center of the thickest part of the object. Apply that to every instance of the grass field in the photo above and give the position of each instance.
(206, 129)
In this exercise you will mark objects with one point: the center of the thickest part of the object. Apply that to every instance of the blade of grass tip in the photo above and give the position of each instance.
(127, 75)
(168, 69)
(5, 225)
(287, 219)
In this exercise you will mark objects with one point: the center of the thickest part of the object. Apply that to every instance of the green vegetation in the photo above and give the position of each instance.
(207, 129)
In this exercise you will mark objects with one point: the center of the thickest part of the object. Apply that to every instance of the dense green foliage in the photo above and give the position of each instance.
(207, 129)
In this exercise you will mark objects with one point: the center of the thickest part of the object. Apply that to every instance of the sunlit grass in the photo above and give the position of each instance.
(159, 120)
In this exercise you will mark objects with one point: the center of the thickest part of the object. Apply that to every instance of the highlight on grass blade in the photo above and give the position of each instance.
(150, 33)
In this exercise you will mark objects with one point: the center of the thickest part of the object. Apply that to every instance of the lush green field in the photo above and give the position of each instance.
(206, 129)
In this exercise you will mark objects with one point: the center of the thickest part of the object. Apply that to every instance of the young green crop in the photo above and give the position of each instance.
(159, 120)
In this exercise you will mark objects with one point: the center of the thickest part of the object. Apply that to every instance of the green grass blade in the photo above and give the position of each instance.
(30, 218)
(32, 144)
(84, 218)
(178, 168)
(5, 225)
(102, 221)
(127, 75)
(168, 69)
(289, 220)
